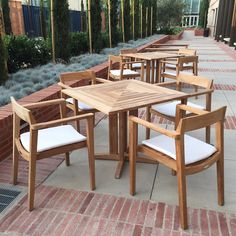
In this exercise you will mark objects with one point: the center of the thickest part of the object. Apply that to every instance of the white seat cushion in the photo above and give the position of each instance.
(53, 137)
(169, 108)
(125, 72)
(137, 65)
(195, 149)
(81, 106)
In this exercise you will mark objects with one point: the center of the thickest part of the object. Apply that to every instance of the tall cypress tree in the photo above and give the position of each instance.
(114, 21)
(127, 22)
(83, 17)
(6, 16)
(136, 18)
(144, 5)
(3, 67)
(204, 5)
(43, 20)
(61, 24)
(96, 20)
(154, 16)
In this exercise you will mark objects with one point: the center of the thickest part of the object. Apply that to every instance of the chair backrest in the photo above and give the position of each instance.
(22, 112)
(128, 50)
(187, 59)
(68, 77)
(187, 51)
(195, 80)
(200, 121)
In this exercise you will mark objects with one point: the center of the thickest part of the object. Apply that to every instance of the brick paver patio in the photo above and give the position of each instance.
(67, 211)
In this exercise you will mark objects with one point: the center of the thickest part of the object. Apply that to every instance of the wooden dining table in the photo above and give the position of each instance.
(117, 100)
(152, 61)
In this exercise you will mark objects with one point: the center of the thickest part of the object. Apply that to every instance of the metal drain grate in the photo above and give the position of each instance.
(6, 197)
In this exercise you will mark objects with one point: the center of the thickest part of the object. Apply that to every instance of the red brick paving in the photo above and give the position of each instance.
(150, 219)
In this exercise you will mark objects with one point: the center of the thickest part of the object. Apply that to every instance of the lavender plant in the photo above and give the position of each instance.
(25, 82)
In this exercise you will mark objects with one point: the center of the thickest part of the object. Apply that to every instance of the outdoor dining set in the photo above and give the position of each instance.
(163, 80)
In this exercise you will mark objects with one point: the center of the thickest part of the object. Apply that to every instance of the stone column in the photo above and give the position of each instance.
(233, 26)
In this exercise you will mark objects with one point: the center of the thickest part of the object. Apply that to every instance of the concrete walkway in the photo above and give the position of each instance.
(65, 201)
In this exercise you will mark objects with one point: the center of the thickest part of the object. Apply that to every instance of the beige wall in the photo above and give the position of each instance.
(212, 16)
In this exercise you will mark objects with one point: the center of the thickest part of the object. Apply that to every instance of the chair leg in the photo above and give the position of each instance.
(208, 134)
(91, 158)
(220, 180)
(67, 158)
(31, 184)
(77, 125)
(132, 163)
(182, 199)
(15, 163)
(148, 118)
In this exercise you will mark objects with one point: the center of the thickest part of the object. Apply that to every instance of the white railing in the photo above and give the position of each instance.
(190, 20)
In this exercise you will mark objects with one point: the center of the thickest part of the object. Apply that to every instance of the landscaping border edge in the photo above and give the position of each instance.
(51, 92)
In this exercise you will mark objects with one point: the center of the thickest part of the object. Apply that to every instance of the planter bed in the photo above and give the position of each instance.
(53, 92)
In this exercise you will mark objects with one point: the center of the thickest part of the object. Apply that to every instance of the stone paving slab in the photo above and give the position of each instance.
(65, 206)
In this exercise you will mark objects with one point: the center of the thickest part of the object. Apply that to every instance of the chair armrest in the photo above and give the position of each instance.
(171, 134)
(103, 80)
(201, 93)
(53, 123)
(64, 86)
(165, 84)
(169, 62)
(132, 62)
(60, 101)
(190, 109)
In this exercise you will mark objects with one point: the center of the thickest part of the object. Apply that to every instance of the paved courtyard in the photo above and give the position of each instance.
(65, 206)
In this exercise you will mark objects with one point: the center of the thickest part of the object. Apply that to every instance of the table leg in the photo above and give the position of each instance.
(113, 134)
(122, 143)
(157, 71)
(153, 68)
(148, 71)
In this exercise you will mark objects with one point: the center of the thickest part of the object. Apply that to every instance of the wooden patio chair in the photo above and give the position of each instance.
(47, 139)
(168, 110)
(181, 152)
(120, 69)
(186, 66)
(73, 79)
(134, 66)
(180, 64)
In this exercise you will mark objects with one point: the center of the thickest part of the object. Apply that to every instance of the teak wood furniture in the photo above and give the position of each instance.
(124, 70)
(168, 110)
(160, 45)
(136, 65)
(182, 153)
(47, 139)
(116, 100)
(70, 79)
(152, 59)
(181, 64)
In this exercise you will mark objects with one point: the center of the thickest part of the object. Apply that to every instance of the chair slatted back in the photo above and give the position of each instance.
(128, 50)
(187, 51)
(22, 112)
(68, 77)
(200, 121)
(195, 80)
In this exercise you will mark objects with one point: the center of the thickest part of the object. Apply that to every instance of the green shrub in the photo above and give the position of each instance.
(78, 43)
(170, 30)
(105, 40)
(24, 52)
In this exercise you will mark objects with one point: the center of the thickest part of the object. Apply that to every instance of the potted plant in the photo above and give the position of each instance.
(203, 14)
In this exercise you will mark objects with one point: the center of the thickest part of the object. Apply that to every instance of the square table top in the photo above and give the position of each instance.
(124, 95)
(150, 55)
